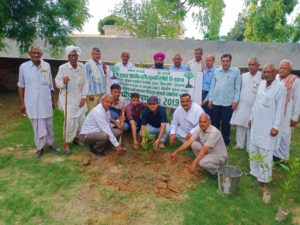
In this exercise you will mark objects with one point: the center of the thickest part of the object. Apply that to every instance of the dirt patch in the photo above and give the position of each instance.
(9, 110)
(296, 215)
(128, 172)
(104, 205)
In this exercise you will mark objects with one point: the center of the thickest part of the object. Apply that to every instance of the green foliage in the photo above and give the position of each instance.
(50, 21)
(292, 170)
(237, 32)
(152, 18)
(209, 18)
(267, 21)
(163, 18)
(147, 146)
(109, 20)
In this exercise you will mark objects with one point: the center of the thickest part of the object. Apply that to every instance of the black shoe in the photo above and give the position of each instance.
(39, 153)
(54, 148)
(97, 153)
(276, 159)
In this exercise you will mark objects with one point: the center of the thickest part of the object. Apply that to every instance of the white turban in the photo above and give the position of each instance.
(72, 48)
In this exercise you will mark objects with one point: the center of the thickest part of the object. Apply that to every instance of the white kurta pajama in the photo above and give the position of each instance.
(77, 89)
(183, 121)
(241, 114)
(292, 112)
(267, 113)
(38, 85)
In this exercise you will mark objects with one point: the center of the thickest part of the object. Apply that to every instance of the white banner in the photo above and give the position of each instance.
(166, 85)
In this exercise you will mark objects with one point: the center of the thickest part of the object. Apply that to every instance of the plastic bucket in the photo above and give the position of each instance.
(228, 179)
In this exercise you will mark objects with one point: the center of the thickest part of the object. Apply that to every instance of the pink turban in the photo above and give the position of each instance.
(159, 56)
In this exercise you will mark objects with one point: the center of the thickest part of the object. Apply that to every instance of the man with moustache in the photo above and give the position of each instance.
(125, 63)
(265, 119)
(185, 118)
(97, 131)
(224, 95)
(291, 108)
(96, 78)
(207, 144)
(71, 78)
(36, 92)
(240, 116)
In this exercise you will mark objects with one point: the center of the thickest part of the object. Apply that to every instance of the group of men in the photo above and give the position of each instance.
(263, 106)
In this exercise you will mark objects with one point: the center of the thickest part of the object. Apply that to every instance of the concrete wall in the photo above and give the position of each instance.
(142, 50)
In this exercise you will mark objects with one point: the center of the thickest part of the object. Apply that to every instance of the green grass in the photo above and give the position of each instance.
(29, 187)
(206, 205)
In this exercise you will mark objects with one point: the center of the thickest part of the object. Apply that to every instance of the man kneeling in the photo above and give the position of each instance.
(207, 144)
(97, 131)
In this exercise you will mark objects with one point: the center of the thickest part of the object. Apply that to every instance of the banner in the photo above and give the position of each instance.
(166, 85)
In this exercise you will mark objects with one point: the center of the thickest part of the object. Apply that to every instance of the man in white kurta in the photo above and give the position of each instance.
(291, 108)
(125, 63)
(35, 90)
(240, 116)
(265, 122)
(185, 118)
(71, 79)
(196, 64)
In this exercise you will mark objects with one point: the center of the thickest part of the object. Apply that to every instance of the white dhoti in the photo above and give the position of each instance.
(261, 168)
(43, 132)
(243, 137)
(75, 119)
(282, 151)
(210, 162)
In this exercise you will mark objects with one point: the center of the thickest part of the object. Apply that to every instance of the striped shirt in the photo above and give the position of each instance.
(95, 88)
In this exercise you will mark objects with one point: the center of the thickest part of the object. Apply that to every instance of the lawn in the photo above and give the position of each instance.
(56, 190)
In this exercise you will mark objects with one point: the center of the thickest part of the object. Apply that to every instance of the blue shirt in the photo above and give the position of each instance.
(181, 68)
(154, 119)
(225, 86)
(207, 77)
(95, 88)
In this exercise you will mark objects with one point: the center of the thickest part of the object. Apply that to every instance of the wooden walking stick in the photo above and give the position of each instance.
(66, 147)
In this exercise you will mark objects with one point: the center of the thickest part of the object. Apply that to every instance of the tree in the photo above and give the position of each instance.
(49, 20)
(295, 35)
(237, 32)
(267, 21)
(209, 18)
(109, 20)
(151, 19)
(164, 18)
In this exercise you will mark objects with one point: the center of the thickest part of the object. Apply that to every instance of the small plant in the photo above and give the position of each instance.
(263, 165)
(292, 169)
(146, 146)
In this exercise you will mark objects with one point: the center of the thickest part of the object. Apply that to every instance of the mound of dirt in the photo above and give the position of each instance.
(128, 172)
